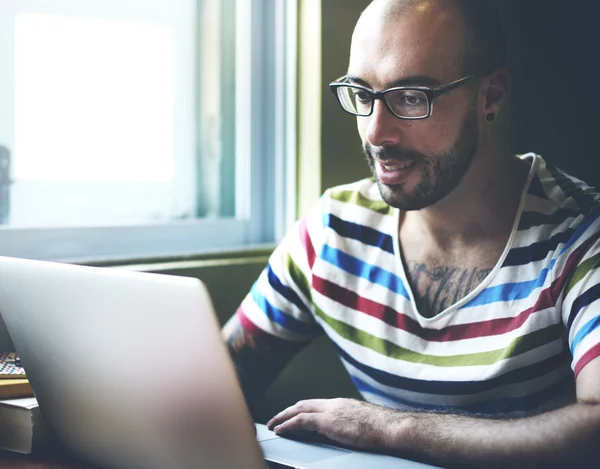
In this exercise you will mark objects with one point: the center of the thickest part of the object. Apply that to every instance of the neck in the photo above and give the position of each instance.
(481, 208)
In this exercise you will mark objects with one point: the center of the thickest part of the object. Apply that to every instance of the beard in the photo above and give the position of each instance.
(440, 172)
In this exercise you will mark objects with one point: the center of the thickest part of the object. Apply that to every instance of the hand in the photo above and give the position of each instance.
(345, 421)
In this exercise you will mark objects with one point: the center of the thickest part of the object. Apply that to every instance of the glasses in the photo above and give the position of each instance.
(404, 102)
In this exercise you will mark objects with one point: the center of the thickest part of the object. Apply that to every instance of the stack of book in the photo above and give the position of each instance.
(21, 425)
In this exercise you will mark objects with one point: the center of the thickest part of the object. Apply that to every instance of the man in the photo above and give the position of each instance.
(459, 285)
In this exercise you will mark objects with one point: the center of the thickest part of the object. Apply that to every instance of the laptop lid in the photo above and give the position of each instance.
(128, 368)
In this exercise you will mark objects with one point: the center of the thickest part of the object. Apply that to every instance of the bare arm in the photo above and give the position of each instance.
(568, 437)
(258, 357)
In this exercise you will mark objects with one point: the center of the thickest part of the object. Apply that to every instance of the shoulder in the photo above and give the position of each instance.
(360, 198)
(561, 217)
(354, 210)
(557, 201)
(557, 189)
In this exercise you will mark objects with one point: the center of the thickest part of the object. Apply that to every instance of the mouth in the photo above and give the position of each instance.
(396, 166)
(393, 172)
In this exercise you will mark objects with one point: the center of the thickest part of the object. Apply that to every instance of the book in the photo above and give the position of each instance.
(10, 366)
(10, 388)
(22, 427)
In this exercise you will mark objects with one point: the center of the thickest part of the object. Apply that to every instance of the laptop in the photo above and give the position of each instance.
(130, 372)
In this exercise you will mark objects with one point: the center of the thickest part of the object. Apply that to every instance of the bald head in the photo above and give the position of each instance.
(483, 45)
(421, 56)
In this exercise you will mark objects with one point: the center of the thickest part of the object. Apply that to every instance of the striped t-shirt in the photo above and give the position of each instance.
(513, 346)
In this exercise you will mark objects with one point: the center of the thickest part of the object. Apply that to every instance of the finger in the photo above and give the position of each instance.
(290, 412)
(306, 406)
(299, 424)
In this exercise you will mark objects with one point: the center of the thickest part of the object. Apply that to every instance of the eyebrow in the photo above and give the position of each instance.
(413, 80)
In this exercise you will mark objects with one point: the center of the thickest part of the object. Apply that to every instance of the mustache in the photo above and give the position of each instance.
(390, 153)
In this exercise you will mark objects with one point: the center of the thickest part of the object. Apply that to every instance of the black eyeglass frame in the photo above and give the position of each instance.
(430, 93)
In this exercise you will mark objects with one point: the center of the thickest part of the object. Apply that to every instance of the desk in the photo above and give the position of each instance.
(10, 460)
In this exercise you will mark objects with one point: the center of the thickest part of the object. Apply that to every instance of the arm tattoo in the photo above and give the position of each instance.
(437, 288)
(257, 361)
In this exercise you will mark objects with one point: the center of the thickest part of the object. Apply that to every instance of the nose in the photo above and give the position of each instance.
(382, 127)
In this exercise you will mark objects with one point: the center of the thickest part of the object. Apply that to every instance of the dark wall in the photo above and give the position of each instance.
(553, 104)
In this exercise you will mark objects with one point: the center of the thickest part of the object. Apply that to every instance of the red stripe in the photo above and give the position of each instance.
(306, 242)
(587, 357)
(550, 295)
(489, 328)
(401, 321)
(256, 331)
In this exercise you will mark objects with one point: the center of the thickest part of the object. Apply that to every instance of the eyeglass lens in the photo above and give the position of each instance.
(404, 103)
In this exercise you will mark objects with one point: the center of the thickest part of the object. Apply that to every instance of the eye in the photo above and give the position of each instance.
(408, 103)
(361, 95)
(412, 100)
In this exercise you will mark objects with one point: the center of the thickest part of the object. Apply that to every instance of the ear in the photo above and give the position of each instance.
(495, 89)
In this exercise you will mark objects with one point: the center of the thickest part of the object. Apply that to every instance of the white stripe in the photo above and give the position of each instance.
(515, 390)
(279, 301)
(538, 233)
(354, 213)
(587, 343)
(548, 206)
(425, 371)
(255, 314)
(412, 342)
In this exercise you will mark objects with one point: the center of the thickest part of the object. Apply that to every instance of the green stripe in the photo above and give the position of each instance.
(356, 198)
(298, 277)
(582, 270)
(517, 347)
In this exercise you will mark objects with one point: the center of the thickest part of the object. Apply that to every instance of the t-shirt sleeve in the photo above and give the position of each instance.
(581, 302)
(280, 301)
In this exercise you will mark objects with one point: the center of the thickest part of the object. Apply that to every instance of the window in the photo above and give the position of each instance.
(145, 128)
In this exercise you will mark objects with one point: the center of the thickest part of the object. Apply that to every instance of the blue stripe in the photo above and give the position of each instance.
(520, 290)
(459, 387)
(501, 406)
(361, 269)
(361, 233)
(279, 317)
(536, 251)
(510, 291)
(285, 291)
(588, 328)
(583, 226)
(583, 300)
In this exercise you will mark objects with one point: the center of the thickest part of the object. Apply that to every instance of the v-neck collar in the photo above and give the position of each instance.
(486, 281)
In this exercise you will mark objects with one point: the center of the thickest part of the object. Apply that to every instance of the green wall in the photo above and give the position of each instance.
(342, 160)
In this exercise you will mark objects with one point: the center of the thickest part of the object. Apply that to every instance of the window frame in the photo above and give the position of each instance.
(265, 147)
